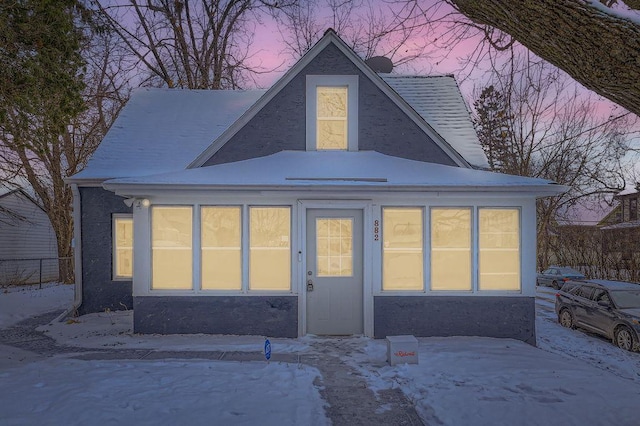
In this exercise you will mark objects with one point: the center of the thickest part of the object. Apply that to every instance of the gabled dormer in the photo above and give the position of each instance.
(332, 112)
(332, 100)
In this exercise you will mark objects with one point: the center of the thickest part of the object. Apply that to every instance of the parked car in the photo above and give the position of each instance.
(556, 276)
(608, 308)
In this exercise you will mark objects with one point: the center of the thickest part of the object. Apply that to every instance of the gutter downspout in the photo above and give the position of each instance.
(77, 253)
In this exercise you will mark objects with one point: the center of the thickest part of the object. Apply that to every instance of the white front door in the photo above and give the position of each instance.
(333, 278)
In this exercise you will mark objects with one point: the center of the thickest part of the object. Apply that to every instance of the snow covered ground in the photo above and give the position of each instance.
(571, 378)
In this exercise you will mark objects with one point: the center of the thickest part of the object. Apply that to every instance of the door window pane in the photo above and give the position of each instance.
(402, 253)
(270, 248)
(334, 247)
(331, 124)
(451, 249)
(123, 247)
(499, 245)
(171, 245)
(221, 248)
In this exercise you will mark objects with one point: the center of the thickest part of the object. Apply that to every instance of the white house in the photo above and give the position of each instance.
(28, 248)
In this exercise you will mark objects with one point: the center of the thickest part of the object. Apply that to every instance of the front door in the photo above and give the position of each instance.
(334, 272)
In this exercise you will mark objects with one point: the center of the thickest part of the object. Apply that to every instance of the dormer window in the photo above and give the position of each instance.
(332, 113)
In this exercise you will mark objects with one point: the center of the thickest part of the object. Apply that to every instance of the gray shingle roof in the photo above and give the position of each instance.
(164, 130)
(438, 100)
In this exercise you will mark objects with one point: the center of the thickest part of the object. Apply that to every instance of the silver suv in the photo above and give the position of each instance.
(608, 308)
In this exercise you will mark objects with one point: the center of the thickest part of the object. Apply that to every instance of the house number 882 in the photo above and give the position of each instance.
(376, 230)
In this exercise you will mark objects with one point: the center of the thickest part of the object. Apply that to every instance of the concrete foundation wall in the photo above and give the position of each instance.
(504, 317)
(270, 316)
(99, 291)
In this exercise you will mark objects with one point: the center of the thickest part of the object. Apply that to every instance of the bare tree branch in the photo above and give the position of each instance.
(596, 45)
(195, 44)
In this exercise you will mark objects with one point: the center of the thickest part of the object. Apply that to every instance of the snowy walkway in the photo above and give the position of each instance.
(94, 370)
(349, 400)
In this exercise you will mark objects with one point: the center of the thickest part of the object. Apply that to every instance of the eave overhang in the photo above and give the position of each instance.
(334, 171)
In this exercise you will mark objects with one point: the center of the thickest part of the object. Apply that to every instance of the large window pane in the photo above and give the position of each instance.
(331, 125)
(270, 248)
(123, 247)
(499, 245)
(451, 249)
(334, 247)
(171, 244)
(221, 248)
(402, 253)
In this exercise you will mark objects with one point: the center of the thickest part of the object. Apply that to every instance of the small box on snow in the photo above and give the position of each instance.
(402, 350)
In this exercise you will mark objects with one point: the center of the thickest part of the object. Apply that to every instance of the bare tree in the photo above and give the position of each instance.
(557, 133)
(57, 106)
(370, 28)
(195, 44)
(596, 42)
(606, 254)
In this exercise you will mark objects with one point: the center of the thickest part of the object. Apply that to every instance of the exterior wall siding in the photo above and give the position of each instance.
(487, 316)
(30, 236)
(272, 316)
(280, 125)
(99, 291)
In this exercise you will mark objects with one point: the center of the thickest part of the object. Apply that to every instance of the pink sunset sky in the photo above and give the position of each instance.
(268, 52)
(268, 49)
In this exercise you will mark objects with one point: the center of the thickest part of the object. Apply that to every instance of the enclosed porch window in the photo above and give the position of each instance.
(499, 249)
(172, 248)
(220, 250)
(471, 249)
(122, 247)
(402, 251)
(451, 249)
(270, 248)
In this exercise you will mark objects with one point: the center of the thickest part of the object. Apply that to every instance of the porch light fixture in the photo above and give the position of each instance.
(139, 202)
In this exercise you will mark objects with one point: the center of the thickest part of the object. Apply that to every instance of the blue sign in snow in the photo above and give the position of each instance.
(267, 349)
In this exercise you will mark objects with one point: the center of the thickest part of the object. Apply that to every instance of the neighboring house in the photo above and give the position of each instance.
(338, 202)
(621, 234)
(575, 239)
(26, 236)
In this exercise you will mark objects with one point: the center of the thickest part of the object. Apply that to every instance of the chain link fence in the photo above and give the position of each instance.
(36, 271)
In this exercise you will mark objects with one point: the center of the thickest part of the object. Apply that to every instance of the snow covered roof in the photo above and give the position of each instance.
(628, 190)
(165, 130)
(330, 37)
(623, 225)
(335, 170)
(161, 130)
(438, 100)
(21, 185)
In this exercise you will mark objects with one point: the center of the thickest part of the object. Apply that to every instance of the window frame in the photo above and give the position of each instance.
(474, 272)
(199, 281)
(472, 249)
(115, 217)
(195, 279)
(477, 247)
(246, 283)
(315, 81)
(423, 223)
